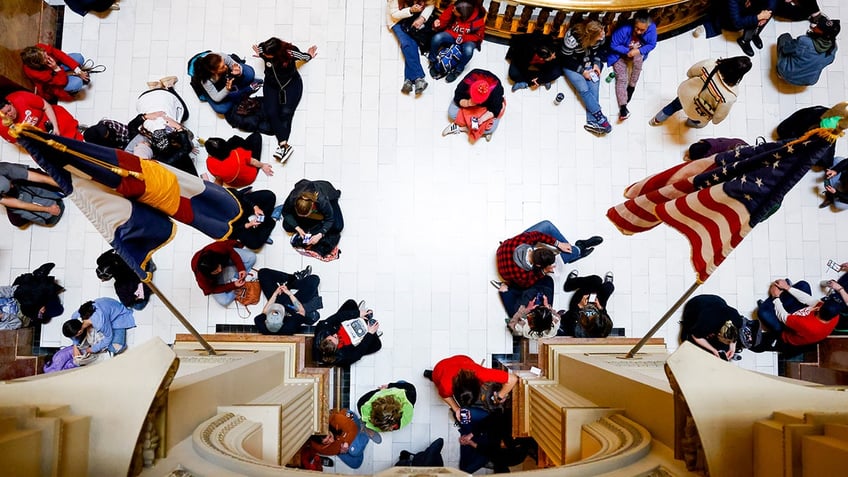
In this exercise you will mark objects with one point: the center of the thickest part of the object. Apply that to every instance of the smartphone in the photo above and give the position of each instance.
(831, 264)
(594, 76)
(260, 218)
(592, 298)
(539, 298)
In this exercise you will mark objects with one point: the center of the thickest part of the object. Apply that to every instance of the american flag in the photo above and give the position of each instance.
(129, 200)
(716, 201)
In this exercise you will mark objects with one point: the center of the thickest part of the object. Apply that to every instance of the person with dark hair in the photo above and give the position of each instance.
(128, 286)
(388, 408)
(532, 61)
(109, 133)
(104, 315)
(29, 195)
(403, 16)
(37, 294)
(312, 213)
(836, 185)
(813, 321)
(462, 23)
(587, 315)
(346, 336)
(253, 229)
(709, 93)
(221, 267)
(56, 75)
(486, 437)
(477, 107)
(530, 312)
(82, 7)
(23, 107)
(750, 16)
(235, 162)
(347, 438)
(629, 46)
(580, 58)
(224, 79)
(709, 322)
(459, 379)
(526, 258)
(286, 311)
(282, 89)
(800, 61)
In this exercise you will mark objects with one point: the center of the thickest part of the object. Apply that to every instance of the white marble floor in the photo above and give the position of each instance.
(424, 214)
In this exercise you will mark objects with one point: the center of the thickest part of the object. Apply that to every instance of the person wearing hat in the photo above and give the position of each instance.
(709, 322)
(477, 106)
(800, 61)
(286, 311)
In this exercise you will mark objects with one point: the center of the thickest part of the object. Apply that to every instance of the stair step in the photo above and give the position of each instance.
(21, 366)
(14, 343)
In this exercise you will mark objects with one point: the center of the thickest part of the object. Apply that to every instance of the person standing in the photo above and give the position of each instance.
(282, 89)
(629, 47)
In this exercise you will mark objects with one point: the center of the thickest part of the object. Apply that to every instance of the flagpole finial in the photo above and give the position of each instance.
(6, 120)
(839, 110)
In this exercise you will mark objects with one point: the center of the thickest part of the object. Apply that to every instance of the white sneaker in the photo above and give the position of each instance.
(453, 128)
(283, 152)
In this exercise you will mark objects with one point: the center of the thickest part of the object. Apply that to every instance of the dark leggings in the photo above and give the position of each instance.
(586, 285)
(270, 279)
(279, 105)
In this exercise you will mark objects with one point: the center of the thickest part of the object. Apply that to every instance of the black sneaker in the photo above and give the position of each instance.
(746, 46)
(452, 76)
(428, 373)
(303, 273)
(608, 277)
(590, 242)
(757, 41)
(623, 113)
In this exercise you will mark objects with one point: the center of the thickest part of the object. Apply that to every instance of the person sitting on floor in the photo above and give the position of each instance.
(347, 438)
(254, 227)
(345, 337)
(532, 61)
(56, 75)
(531, 311)
(709, 322)
(311, 212)
(29, 195)
(388, 408)
(37, 293)
(221, 267)
(812, 323)
(526, 258)
(105, 315)
(287, 311)
(128, 286)
(235, 162)
(836, 185)
(225, 80)
(629, 46)
(462, 23)
(800, 61)
(587, 315)
(477, 107)
(23, 107)
(580, 59)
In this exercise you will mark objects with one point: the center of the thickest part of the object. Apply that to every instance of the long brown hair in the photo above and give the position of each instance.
(386, 412)
(277, 52)
(586, 32)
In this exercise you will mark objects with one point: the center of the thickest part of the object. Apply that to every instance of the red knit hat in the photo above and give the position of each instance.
(479, 91)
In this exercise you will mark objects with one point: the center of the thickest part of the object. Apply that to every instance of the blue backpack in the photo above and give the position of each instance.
(447, 59)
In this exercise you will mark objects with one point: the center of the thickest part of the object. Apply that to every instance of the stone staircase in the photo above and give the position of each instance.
(16, 360)
(43, 441)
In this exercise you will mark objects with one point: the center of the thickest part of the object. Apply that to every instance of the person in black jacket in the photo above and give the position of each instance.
(130, 290)
(286, 311)
(532, 61)
(312, 212)
(37, 293)
(587, 318)
(254, 227)
(836, 186)
(333, 345)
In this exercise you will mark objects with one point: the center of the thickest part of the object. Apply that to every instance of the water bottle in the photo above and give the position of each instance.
(610, 77)
(559, 98)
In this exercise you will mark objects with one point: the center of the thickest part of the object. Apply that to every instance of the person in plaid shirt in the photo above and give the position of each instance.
(528, 257)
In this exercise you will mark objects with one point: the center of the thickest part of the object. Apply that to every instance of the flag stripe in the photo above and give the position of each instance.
(680, 172)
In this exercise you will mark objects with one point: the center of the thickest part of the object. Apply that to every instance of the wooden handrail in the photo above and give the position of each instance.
(552, 17)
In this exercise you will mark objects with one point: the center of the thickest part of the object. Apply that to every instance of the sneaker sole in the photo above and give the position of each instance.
(287, 155)
(596, 131)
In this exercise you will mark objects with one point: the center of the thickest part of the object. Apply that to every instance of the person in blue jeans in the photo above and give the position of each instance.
(777, 291)
(402, 15)
(105, 315)
(347, 439)
(579, 248)
(580, 58)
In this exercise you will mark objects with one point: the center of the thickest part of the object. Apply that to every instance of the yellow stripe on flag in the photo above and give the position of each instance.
(162, 190)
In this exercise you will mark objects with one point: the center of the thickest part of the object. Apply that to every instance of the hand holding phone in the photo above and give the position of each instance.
(592, 298)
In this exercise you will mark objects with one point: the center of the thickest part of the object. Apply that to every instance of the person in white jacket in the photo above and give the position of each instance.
(401, 16)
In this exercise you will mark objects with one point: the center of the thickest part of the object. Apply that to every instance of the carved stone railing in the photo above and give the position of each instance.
(553, 17)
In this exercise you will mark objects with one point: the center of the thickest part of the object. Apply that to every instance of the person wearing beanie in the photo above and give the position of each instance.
(477, 106)
(800, 61)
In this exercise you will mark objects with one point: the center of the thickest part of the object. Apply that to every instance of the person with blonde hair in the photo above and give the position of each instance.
(312, 213)
(581, 62)
(57, 75)
(388, 408)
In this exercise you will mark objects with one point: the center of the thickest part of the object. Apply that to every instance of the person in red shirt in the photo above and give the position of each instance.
(57, 75)
(462, 23)
(333, 346)
(458, 380)
(817, 320)
(221, 267)
(235, 162)
(22, 107)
